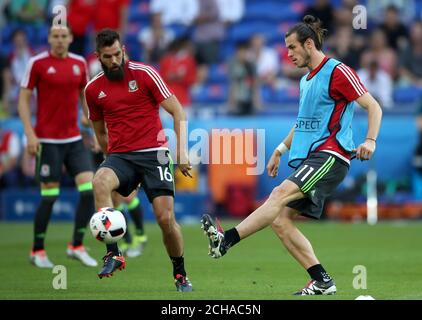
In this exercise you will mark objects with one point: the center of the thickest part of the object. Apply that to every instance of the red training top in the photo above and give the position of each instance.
(130, 108)
(59, 82)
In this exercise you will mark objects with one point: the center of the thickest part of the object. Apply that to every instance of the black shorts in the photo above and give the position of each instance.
(317, 177)
(134, 168)
(52, 156)
(97, 159)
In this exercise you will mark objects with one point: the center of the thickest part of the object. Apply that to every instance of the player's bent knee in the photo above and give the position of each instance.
(84, 177)
(50, 185)
(278, 194)
(102, 184)
(165, 218)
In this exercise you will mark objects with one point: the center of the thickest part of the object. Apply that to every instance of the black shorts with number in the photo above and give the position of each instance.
(317, 177)
(152, 169)
(52, 156)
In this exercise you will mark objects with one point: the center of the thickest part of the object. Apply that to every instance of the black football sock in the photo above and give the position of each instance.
(231, 237)
(127, 236)
(113, 248)
(84, 212)
(178, 266)
(42, 217)
(318, 273)
(137, 215)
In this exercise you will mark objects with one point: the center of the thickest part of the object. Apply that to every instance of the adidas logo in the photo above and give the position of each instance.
(102, 95)
(51, 70)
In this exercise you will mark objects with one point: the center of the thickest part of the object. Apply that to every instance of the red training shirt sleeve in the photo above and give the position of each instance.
(156, 85)
(346, 84)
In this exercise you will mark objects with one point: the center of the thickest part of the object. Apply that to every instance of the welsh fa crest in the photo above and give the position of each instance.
(76, 70)
(133, 86)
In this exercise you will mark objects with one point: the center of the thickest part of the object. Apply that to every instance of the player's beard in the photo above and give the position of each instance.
(114, 75)
(306, 60)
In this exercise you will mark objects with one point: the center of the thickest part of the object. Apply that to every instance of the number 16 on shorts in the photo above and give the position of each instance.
(165, 174)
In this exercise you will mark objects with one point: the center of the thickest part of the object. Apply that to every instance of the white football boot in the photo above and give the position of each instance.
(79, 253)
(39, 259)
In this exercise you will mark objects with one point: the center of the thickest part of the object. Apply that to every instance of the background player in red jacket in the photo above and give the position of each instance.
(178, 69)
(59, 78)
(123, 103)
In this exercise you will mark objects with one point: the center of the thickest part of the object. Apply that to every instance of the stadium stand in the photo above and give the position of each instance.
(272, 18)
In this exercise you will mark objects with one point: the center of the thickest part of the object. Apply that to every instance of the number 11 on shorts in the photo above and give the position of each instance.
(166, 174)
(306, 173)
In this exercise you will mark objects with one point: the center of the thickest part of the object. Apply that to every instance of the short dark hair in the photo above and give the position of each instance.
(242, 45)
(393, 8)
(17, 31)
(311, 27)
(60, 26)
(106, 38)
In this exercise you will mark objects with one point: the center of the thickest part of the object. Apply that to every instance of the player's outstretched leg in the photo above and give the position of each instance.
(220, 242)
(217, 246)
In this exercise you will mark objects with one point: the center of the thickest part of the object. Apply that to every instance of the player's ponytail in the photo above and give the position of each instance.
(311, 27)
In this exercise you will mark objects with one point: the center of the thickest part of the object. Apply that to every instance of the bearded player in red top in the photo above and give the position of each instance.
(59, 78)
(123, 103)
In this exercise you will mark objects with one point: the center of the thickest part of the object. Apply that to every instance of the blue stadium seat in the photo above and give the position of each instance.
(266, 94)
(6, 32)
(418, 9)
(410, 94)
(37, 36)
(287, 96)
(244, 30)
(6, 48)
(210, 94)
(180, 30)
(8, 29)
(41, 37)
(227, 50)
(134, 50)
(139, 12)
(217, 74)
(137, 2)
(273, 10)
(133, 47)
(132, 32)
(280, 96)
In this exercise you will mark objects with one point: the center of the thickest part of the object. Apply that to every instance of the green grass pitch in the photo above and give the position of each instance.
(257, 268)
